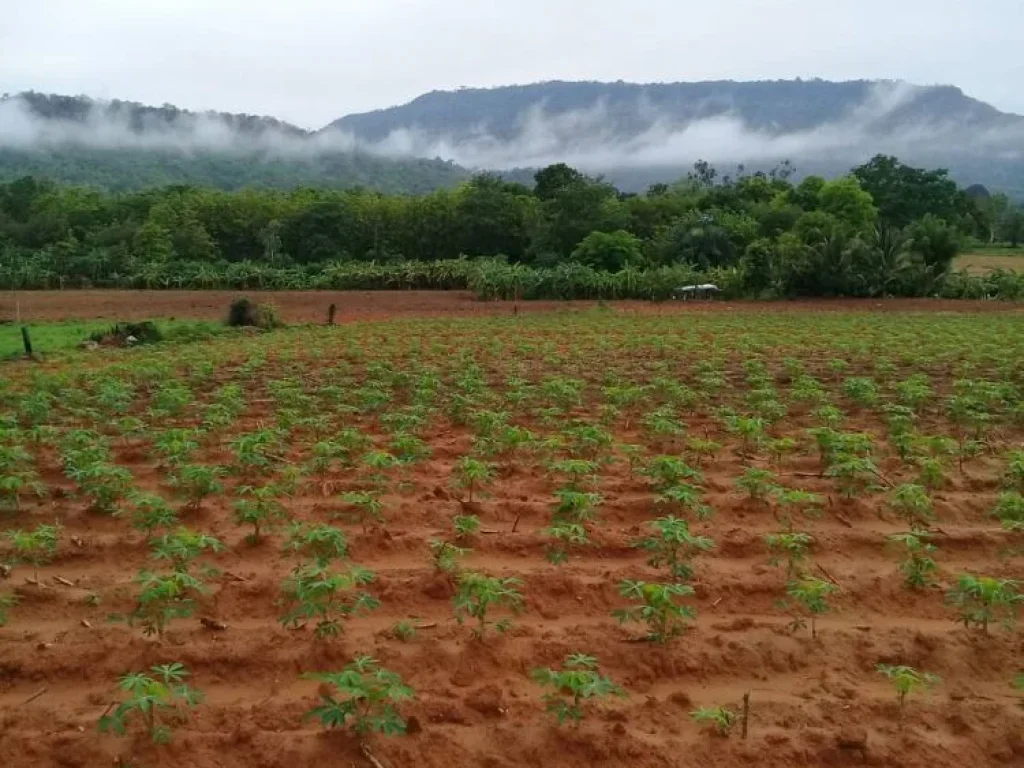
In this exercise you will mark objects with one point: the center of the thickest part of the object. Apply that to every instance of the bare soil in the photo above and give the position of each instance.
(813, 702)
(312, 306)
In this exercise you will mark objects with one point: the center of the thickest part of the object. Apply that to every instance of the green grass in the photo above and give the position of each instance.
(994, 249)
(49, 339)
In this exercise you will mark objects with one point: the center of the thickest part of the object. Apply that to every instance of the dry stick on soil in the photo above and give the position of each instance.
(35, 695)
(369, 756)
(62, 580)
(516, 523)
(828, 575)
(746, 713)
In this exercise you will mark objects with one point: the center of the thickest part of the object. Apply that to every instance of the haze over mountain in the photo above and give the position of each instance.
(634, 134)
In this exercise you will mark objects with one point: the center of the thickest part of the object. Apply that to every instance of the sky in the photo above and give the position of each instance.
(312, 61)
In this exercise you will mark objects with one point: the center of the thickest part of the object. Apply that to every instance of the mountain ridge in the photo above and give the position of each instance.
(634, 132)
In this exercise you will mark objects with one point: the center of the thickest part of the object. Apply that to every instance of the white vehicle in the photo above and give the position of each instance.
(702, 291)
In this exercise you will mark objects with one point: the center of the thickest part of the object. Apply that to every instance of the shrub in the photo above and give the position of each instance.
(244, 312)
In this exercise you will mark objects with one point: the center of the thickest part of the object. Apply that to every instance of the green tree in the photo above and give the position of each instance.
(609, 251)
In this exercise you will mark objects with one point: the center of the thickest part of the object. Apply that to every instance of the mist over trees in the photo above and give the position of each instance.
(885, 228)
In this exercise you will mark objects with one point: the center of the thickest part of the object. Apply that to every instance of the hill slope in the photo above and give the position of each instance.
(124, 146)
(653, 132)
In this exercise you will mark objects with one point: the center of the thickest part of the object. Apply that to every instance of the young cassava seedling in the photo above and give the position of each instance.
(906, 680)
(810, 595)
(36, 547)
(790, 548)
(365, 698)
(982, 600)
(163, 598)
(577, 681)
(674, 545)
(477, 594)
(259, 508)
(6, 603)
(313, 592)
(319, 541)
(445, 556)
(658, 609)
(158, 700)
(722, 719)
(917, 565)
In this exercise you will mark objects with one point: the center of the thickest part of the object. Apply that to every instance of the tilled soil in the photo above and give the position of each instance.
(812, 701)
(312, 306)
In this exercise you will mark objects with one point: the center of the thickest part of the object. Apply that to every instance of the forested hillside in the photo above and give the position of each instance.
(886, 228)
(636, 135)
(633, 135)
(121, 145)
(781, 106)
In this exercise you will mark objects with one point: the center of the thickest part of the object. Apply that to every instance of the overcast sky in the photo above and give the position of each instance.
(311, 61)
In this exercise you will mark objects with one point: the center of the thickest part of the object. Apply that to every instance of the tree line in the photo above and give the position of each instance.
(884, 229)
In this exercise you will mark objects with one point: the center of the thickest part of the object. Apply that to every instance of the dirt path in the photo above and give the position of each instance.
(312, 306)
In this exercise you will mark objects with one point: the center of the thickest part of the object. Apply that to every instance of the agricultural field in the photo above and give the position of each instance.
(563, 539)
(981, 261)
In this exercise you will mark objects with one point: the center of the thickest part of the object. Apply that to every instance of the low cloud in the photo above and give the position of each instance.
(590, 139)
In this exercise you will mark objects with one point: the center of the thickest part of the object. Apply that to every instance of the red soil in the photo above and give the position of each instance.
(312, 306)
(476, 705)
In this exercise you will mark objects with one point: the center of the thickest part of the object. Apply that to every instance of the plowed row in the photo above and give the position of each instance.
(475, 703)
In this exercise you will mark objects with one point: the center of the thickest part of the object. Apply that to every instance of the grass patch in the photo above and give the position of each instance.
(983, 262)
(56, 337)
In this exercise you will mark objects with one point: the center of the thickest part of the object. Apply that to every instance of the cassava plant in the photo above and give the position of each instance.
(721, 719)
(365, 698)
(658, 608)
(323, 543)
(150, 512)
(758, 483)
(163, 597)
(315, 593)
(982, 600)
(260, 508)
(197, 482)
(564, 534)
(905, 680)
(445, 556)
(808, 596)
(789, 547)
(466, 526)
(575, 683)
(368, 507)
(6, 603)
(673, 545)
(36, 547)
(917, 566)
(477, 595)
(182, 546)
(160, 700)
